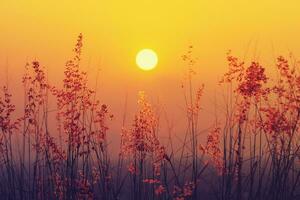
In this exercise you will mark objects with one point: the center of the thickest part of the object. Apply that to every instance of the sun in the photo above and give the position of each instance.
(146, 59)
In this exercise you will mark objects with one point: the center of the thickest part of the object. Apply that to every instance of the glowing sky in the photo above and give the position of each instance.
(114, 31)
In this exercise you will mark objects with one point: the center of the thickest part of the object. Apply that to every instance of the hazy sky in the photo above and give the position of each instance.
(115, 30)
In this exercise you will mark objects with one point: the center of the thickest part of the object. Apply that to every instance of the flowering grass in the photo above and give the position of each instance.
(251, 152)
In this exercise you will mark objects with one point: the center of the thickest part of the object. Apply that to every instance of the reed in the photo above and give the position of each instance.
(251, 151)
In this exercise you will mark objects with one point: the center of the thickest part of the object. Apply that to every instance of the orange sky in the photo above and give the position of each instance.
(115, 30)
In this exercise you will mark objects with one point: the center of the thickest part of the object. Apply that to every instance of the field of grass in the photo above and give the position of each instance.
(252, 152)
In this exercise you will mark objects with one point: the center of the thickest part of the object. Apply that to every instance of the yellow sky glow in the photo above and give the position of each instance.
(115, 30)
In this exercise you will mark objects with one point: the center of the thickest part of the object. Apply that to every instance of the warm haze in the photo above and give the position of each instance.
(115, 31)
(155, 67)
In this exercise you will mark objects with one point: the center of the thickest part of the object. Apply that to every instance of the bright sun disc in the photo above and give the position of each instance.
(146, 59)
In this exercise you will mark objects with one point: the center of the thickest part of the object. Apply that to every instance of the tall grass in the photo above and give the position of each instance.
(251, 152)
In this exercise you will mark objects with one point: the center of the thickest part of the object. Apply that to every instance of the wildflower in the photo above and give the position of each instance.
(188, 189)
(132, 169)
(250, 84)
(159, 190)
(236, 69)
(84, 187)
(185, 192)
(6, 111)
(212, 148)
(95, 175)
(7, 125)
(151, 181)
(253, 79)
(142, 138)
(59, 186)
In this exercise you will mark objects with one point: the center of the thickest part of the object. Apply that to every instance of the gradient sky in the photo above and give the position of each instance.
(114, 31)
